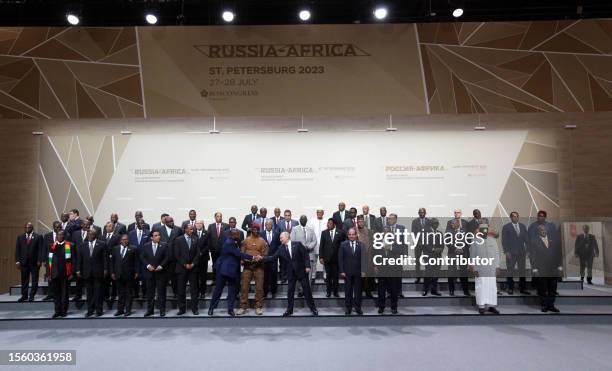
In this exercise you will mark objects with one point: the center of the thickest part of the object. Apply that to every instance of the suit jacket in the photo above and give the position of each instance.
(511, 242)
(338, 218)
(110, 242)
(416, 226)
(348, 224)
(349, 263)
(185, 222)
(282, 226)
(275, 223)
(160, 258)
(156, 226)
(47, 242)
(586, 247)
(380, 223)
(373, 223)
(328, 249)
(215, 243)
(144, 238)
(73, 226)
(92, 265)
(248, 220)
(132, 226)
(400, 249)
(98, 230)
(297, 262)
(546, 260)
(309, 240)
(273, 243)
(226, 236)
(77, 241)
(185, 254)
(228, 263)
(473, 225)
(120, 228)
(124, 267)
(449, 225)
(29, 253)
(202, 245)
(58, 261)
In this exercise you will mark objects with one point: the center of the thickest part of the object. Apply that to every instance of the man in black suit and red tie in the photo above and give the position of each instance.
(215, 233)
(29, 256)
(349, 266)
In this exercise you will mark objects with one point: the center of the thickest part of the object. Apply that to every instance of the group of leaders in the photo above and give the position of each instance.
(119, 261)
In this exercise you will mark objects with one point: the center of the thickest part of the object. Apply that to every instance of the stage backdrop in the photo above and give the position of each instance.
(496, 171)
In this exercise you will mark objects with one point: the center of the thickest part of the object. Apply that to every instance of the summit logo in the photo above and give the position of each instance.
(281, 50)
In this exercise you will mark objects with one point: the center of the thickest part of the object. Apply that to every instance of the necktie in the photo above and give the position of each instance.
(367, 220)
(422, 222)
(304, 230)
(289, 251)
(218, 230)
(188, 243)
(269, 236)
(332, 235)
(384, 221)
(28, 238)
(199, 234)
(139, 236)
(122, 251)
(154, 249)
(91, 247)
(108, 236)
(353, 246)
(83, 235)
(516, 228)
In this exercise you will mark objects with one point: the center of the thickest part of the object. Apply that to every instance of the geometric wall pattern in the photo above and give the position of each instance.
(497, 67)
(69, 73)
(533, 183)
(74, 173)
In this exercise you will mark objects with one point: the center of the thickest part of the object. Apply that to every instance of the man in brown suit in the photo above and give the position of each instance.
(253, 245)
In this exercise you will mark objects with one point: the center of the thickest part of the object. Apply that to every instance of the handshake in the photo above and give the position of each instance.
(257, 258)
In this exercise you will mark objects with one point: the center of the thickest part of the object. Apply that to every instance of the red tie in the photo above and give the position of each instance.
(28, 239)
(218, 230)
(288, 227)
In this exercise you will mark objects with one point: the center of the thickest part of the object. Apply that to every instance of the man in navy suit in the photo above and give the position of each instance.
(340, 215)
(28, 259)
(154, 258)
(298, 269)
(138, 237)
(137, 216)
(124, 271)
(187, 269)
(73, 224)
(285, 225)
(169, 232)
(349, 266)
(271, 268)
(227, 268)
(515, 242)
(249, 219)
(277, 218)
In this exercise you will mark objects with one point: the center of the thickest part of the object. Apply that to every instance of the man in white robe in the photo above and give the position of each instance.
(485, 281)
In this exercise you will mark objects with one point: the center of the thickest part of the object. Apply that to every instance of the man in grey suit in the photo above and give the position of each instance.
(304, 234)
(368, 219)
(351, 220)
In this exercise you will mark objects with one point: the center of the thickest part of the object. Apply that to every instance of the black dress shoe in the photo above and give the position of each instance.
(88, 314)
(231, 313)
(118, 313)
(211, 311)
(315, 312)
(493, 310)
(401, 295)
(327, 295)
(148, 313)
(98, 314)
(481, 311)
(77, 298)
(56, 315)
(467, 293)
(47, 298)
(180, 312)
(336, 295)
(63, 315)
(369, 295)
(451, 293)
(381, 310)
(300, 295)
(347, 312)
(195, 312)
(435, 293)
(589, 282)
(359, 311)
(162, 314)
(287, 313)
(31, 298)
(393, 310)
(544, 309)
(22, 299)
(553, 309)
(510, 292)
(128, 313)
(424, 293)
(525, 292)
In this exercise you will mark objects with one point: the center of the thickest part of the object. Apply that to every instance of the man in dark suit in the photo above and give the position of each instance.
(548, 260)
(351, 220)
(340, 215)
(92, 268)
(61, 268)
(215, 233)
(169, 233)
(433, 248)
(473, 224)
(298, 269)
(111, 239)
(124, 271)
(349, 266)
(249, 219)
(138, 238)
(232, 223)
(48, 240)
(73, 224)
(96, 228)
(118, 227)
(515, 243)
(29, 256)
(272, 238)
(187, 269)
(398, 248)
(277, 218)
(368, 219)
(389, 276)
(382, 221)
(154, 258)
(162, 221)
(191, 220)
(456, 248)
(137, 216)
(285, 225)
(79, 238)
(420, 225)
(585, 249)
(201, 241)
(331, 238)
